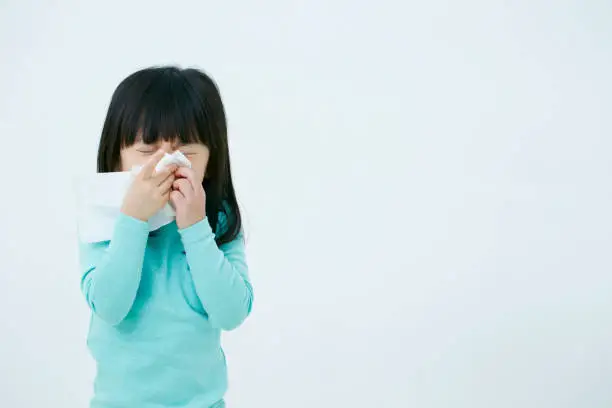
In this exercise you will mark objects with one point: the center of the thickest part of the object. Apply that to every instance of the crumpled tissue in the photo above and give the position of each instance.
(99, 197)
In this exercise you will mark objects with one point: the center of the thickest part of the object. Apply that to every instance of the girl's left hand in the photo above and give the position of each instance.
(188, 198)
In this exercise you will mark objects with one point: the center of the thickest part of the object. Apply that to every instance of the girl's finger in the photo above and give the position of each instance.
(176, 198)
(187, 173)
(160, 177)
(166, 185)
(149, 167)
(184, 186)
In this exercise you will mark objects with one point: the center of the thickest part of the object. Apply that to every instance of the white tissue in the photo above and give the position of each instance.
(177, 158)
(99, 198)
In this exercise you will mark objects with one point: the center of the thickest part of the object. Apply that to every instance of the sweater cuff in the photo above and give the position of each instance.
(130, 234)
(198, 232)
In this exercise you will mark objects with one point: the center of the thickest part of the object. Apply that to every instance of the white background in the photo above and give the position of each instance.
(426, 187)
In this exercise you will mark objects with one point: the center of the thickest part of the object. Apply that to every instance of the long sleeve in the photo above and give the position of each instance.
(111, 271)
(220, 275)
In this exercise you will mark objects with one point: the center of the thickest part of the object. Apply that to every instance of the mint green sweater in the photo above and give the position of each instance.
(159, 302)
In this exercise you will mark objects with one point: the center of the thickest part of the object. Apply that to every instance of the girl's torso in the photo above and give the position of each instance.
(165, 352)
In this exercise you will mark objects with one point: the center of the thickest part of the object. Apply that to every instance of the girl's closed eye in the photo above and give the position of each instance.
(191, 149)
(147, 150)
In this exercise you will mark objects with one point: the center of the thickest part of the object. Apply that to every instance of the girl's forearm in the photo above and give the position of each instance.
(111, 272)
(220, 275)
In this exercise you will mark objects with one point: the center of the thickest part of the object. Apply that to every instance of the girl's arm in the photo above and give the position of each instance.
(220, 275)
(111, 272)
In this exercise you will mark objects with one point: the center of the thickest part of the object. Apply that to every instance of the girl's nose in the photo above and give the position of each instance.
(167, 147)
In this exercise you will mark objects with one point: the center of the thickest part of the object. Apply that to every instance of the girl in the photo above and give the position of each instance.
(160, 300)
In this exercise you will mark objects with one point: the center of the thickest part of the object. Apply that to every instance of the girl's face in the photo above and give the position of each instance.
(139, 153)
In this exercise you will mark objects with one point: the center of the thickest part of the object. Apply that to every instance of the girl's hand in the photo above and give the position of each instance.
(149, 191)
(188, 198)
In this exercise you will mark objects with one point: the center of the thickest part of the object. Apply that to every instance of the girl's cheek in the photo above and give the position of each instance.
(130, 158)
(201, 172)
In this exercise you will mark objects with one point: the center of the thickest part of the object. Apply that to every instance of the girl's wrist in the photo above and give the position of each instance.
(131, 214)
(197, 232)
(191, 222)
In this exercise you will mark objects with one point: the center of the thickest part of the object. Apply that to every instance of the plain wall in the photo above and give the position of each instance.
(426, 186)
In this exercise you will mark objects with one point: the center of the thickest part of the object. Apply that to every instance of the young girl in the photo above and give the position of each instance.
(159, 300)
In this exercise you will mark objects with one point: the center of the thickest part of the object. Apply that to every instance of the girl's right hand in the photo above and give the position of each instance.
(149, 191)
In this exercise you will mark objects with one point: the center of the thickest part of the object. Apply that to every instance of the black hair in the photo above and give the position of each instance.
(166, 103)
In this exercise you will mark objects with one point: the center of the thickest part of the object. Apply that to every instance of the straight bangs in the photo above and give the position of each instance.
(164, 107)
